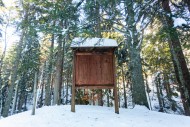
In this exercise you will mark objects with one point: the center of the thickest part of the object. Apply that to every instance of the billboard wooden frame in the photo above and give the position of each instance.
(94, 68)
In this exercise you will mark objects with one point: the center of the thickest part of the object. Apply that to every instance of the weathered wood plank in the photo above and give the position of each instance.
(94, 69)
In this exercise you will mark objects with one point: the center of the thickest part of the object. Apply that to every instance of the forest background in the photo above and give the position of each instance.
(152, 56)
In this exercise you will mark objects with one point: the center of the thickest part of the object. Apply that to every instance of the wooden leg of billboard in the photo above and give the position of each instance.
(115, 87)
(73, 86)
(116, 100)
(73, 99)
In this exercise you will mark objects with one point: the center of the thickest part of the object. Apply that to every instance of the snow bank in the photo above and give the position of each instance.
(94, 116)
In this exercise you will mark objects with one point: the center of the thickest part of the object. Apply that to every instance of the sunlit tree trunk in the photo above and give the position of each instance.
(49, 74)
(59, 69)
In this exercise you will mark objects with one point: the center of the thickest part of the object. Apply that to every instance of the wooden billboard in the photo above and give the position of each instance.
(94, 66)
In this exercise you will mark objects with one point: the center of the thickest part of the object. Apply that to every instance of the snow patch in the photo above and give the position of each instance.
(179, 21)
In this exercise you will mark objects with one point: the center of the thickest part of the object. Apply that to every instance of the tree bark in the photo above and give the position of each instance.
(42, 89)
(22, 93)
(49, 75)
(159, 93)
(124, 88)
(100, 97)
(15, 99)
(35, 93)
(67, 88)
(138, 87)
(59, 70)
(181, 88)
(108, 98)
(135, 65)
(148, 90)
(178, 56)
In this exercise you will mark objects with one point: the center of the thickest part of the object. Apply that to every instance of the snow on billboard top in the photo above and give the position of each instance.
(93, 42)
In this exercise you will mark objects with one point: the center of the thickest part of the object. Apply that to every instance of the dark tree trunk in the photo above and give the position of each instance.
(167, 86)
(100, 97)
(22, 93)
(67, 87)
(169, 92)
(21, 100)
(93, 99)
(124, 88)
(42, 93)
(175, 47)
(108, 98)
(181, 88)
(159, 93)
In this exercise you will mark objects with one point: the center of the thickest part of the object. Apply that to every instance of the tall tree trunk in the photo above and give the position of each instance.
(35, 93)
(135, 65)
(148, 90)
(169, 92)
(108, 98)
(157, 82)
(49, 74)
(93, 98)
(138, 87)
(42, 89)
(59, 70)
(181, 88)
(41, 86)
(67, 85)
(15, 99)
(67, 88)
(22, 93)
(100, 97)
(178, 56)
(124, 88)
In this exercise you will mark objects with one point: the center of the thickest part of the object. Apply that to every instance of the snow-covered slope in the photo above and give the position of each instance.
(94, 116)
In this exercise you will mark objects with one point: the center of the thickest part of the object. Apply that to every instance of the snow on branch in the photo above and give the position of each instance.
(179, 22)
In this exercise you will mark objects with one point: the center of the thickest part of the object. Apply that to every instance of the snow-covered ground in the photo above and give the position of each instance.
(94, 116)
